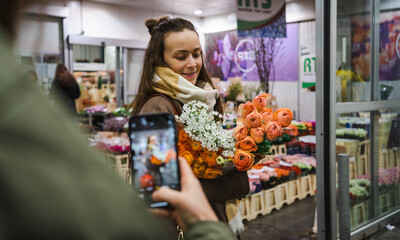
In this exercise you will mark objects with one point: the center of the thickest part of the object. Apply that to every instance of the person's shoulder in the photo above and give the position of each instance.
(157, 99)
(157, 104)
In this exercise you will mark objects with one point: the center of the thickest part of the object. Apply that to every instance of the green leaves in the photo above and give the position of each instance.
(264, 147)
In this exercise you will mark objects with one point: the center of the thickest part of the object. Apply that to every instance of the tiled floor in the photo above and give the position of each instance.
(295, 222)
(385, 234)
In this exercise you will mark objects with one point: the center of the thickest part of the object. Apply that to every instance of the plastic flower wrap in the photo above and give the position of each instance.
(203, 142)
(256, 128)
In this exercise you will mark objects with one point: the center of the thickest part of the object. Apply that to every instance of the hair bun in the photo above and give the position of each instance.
(152, 24)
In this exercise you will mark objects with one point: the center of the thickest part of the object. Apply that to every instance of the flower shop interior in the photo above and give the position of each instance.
(334, 171)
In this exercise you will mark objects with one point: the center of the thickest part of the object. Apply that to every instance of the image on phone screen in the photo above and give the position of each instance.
(154, 156)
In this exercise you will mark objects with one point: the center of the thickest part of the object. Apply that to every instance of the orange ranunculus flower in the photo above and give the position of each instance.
(211, 173)
(247, 144)
(199, 160)
(243, 160)
(267, 115)
(253, 120)
(183, 136)
(198, 154)
(210, 158)
(198, 169)
(187, 155)
(184, 146)
(257, 134)
(240, 132)
(196, 146)
(284, 116)
(246, 109)
(273, 130)
(260, 101)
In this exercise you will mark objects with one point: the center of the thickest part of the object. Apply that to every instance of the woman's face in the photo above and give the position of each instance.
(183, 54)
(153, 139)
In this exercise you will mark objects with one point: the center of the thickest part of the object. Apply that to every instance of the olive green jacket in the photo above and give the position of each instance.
(53, 186)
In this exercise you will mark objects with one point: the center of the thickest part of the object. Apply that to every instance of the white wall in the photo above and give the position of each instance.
(111, 20)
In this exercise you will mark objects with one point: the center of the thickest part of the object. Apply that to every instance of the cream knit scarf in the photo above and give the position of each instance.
(169, 83)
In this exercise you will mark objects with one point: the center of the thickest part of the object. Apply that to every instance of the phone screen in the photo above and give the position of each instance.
(154, 155)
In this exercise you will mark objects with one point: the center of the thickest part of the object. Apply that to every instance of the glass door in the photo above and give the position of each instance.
(358, 116)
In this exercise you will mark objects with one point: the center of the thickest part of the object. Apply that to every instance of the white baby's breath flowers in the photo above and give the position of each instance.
(200, 124)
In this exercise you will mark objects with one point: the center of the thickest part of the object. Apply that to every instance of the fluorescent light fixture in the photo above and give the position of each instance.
(198, 12)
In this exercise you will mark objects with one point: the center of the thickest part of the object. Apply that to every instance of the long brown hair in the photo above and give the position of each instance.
(65, 77)
(154, 57)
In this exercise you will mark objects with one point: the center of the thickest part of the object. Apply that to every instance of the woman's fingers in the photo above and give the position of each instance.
(165, 194)
(186, 171)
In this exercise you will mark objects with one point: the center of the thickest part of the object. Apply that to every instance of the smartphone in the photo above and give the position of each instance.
(154, 155)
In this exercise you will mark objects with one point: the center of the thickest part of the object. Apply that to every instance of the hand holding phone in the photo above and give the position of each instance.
(190, 204)
(154, 155)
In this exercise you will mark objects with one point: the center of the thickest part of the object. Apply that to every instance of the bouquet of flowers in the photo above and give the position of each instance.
(212, 150)
(257, 127)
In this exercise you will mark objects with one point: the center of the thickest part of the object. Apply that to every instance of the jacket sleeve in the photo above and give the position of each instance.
(76, 91)
(207, 230)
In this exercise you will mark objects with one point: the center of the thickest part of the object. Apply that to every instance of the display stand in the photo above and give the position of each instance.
(353, 168)
(273, 150)
(383, 159)
(119, 163)
(282, 149)
(306, 186)
(387, 200)
(283, 194)
(271, 200)
(257, 205)
(314, 182)
(244, 206)
(362, 159)
(294, 190)
(358, 214)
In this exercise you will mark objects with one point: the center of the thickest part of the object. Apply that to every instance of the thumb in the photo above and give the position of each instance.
(165, 194)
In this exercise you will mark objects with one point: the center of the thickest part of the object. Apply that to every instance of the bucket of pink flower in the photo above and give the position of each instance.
(256, 128)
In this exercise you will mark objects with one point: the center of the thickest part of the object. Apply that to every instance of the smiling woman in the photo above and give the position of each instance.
(173, 66)
(174, 74)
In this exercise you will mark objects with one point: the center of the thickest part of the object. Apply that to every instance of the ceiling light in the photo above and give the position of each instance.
(198, 12)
